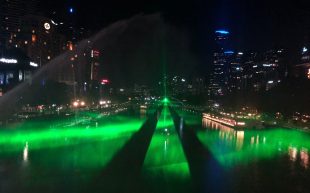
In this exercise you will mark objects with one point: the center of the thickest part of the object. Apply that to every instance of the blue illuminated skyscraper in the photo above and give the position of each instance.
(221, 39)
(219, 71)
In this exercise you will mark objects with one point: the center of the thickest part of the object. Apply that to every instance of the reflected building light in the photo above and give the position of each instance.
(252, 140)
(304, 157)
(25, 153)
(221, 134)
(181, 127)
(20, 75)
(240, 138)
(292, 151)
(257, 139)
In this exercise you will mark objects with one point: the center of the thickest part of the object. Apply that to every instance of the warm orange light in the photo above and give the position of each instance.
(75, 103)
(70, 46)
(33, 38)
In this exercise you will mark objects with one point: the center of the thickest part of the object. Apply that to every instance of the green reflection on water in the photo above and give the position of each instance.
(165, 157)
(70, 147)
(231, 147)
(190, 118)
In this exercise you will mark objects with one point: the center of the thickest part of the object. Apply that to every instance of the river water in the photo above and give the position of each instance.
(127, 154)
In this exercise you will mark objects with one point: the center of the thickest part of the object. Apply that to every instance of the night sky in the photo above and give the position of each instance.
(255, 25)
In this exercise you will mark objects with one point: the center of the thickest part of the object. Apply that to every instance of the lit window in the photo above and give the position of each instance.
(33, 38)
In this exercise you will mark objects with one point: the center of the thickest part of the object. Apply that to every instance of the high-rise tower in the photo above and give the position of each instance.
(219, 72)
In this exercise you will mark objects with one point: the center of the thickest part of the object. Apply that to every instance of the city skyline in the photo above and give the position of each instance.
(264, 34)
(154, 96)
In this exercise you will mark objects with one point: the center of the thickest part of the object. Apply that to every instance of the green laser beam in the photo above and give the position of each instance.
(165, 157)
(69, 148)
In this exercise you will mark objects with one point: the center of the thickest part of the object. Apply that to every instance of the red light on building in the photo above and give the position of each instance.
(95, 53)
(105, 81)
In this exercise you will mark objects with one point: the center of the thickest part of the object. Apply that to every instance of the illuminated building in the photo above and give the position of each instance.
(94, 65)
(178, 85)
(252, 71)
(91, 85)
(197, 86)
(39, 39)
(302, 70)
(268, 71)
(11, 12)
(218, 77)
(232, 71)
(15, 67)
(261, 71)
(237, 72)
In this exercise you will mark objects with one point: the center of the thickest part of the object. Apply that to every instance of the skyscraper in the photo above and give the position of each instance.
(219, 71)
(10, 13)
(237, 72)
(302, 69)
